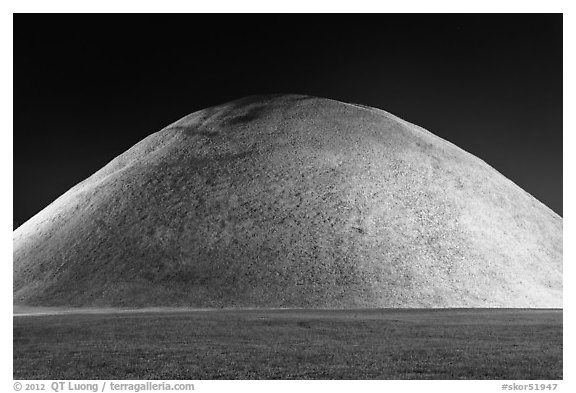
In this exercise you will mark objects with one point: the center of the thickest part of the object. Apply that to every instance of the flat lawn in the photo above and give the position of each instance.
(291, 344)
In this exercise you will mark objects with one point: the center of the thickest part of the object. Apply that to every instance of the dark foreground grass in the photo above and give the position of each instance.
(289, 344)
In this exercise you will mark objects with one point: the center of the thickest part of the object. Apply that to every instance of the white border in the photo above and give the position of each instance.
(258, 6)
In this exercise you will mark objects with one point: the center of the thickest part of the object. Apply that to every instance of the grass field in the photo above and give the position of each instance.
(291, 344)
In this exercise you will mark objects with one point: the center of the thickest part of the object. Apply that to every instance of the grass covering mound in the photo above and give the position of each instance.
(292, 201)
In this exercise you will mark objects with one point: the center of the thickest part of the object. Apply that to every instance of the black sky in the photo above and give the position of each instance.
(88, 87)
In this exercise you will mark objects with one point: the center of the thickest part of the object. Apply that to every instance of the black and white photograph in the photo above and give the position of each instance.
(287, 196)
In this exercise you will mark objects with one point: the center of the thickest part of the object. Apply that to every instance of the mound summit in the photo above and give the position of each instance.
(292, 201)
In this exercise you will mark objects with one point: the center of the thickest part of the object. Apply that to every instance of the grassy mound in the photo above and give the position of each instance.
(292, 201)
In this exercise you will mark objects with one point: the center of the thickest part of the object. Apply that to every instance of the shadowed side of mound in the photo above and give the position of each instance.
(292, 201)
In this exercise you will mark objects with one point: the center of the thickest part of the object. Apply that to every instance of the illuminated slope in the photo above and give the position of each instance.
(292, 201)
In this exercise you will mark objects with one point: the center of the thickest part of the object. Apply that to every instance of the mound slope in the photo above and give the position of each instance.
(292, 201)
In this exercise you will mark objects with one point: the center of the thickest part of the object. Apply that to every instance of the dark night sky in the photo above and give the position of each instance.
(88, 87)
